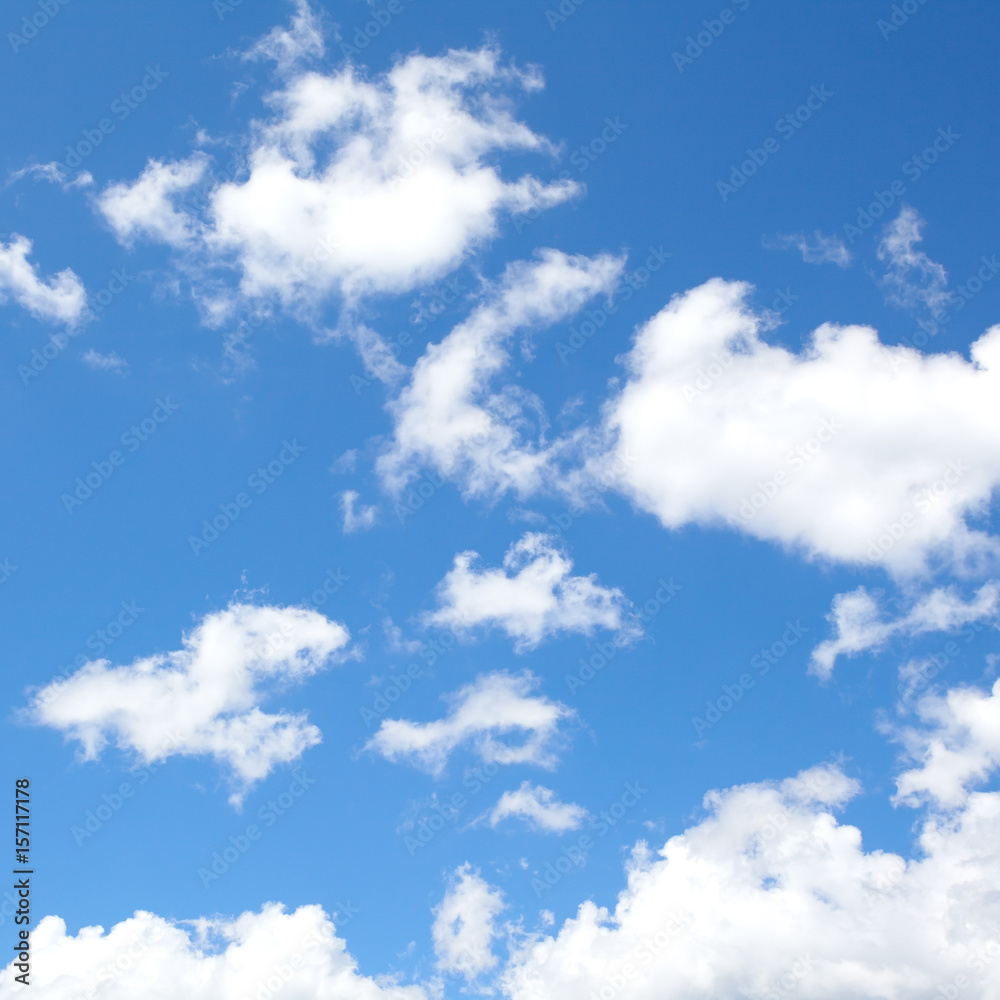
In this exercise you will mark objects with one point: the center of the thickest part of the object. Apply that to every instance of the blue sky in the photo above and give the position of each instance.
(533, 382)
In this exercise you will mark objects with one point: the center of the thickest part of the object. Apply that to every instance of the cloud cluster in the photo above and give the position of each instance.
(771, 897)
(912, 278)
(203, 699)
(59, 298)
(352, 186)
(532, 597)
(254, 955)
(492, 705)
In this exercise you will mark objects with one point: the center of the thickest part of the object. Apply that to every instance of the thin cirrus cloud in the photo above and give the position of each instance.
(203, 699)
(539, 807)
(532, 597)
(59, 298)
(912, 279)
(818, 249)
(860, 627)
(497, 716)
(356, 517)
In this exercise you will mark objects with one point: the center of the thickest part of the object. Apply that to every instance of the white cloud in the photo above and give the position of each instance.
(492, 705)
(147, 206)
(203, 699)
(59, 298)
(353, 186)
(850, 450)
(859, 626)
(465, 924)
(912, 277)
(110, 362)
(448, 417)
(52, 172)
(956, 747)
(531, 598)
(820, 250)
(355, 518)
(770, 896)
(253, 955)
(540, 807)
(300, 41)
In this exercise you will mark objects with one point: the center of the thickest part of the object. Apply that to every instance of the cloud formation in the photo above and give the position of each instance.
(859, 626)
(59, 298)
(912, 278)
(465, 924)
(850, 450)
(203, 699)
(539, 807)
(531, 598)
(492, 705)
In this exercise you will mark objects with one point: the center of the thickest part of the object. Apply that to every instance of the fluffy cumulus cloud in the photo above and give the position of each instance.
(449, 416)
(352, 185)
(859, 625)
(955, 747)
(294, 955)
(465, 924)
(850, 450)
(59, 298)
(533, 596)
(480, 713)
(771, 896)
(203, 699)
(539, 807)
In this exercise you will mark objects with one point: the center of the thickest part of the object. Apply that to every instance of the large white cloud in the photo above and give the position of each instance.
(859, 625)
(850, 449)
(492, 705)
(59, 298)
(353, 185)
(296, 956)
(533, 596)
(465, 924)
(771, 896)
(450, 418)
(204, 698)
